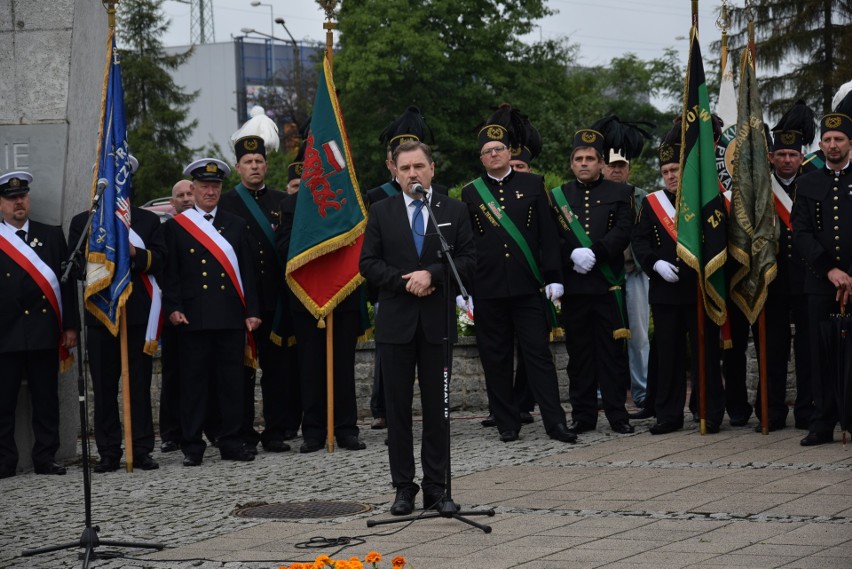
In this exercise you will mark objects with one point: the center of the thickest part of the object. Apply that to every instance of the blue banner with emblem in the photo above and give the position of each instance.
(108, 256)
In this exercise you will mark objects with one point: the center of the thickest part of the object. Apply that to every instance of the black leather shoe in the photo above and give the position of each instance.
(290, 434)
(403, 504)
(169, 446)
(578, 427)
(7, 472)
(814, 438)
(561, 433)
(106, 464)
(250, 448)
(351, 442)
(711, 428)
(645, 413)
(622, 428)
(276, 446)
(489, 421)
(310, 445)
(239, 455)
(773, 426)
(145, 462)
(192, 460)
(436, 502)
(526, 418)
(739, 421)
(50, 468)
(664, 428)
(508, 436)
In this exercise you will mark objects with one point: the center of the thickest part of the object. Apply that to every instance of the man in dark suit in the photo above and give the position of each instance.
(259, 205)
(207, 289)
(401, 257)
(38, 320)
(147, 254)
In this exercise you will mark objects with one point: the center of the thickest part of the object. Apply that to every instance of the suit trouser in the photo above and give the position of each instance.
(499, 321)
(804, 408)
(595, 358)
(104, 351)
(399, 361)
(672, 324)
(211, 365)
(377, 395)
(41, 368)
(824, 417)
(311, 343)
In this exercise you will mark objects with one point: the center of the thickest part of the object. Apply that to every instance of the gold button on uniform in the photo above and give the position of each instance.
(191, 250)
(204, 273)
(204, 287)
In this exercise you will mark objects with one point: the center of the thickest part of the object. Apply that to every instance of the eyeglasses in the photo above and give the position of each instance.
(494, 150)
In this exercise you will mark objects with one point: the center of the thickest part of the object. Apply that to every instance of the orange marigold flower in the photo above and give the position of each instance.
(398, 562)
(341, 564)
(355, 563)
(323, 560)
(373, 558)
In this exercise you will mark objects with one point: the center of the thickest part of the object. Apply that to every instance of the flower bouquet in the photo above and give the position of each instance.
(371, 560)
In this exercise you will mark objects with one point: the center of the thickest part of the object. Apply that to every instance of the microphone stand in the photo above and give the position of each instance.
(89, 540)
(449, 509)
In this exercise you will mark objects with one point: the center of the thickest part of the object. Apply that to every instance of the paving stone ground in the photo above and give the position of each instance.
(734, 499)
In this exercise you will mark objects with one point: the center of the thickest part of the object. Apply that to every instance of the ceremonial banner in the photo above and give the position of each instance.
(108, 261)
(701, 233)
(753, 231)
(329, 221)
(726, 108)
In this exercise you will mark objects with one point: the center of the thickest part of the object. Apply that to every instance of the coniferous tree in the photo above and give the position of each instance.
(156, 108)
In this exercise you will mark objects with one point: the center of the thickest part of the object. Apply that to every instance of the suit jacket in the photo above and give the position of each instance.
(791, 266)
(501, 270)
(147, 261)
(605, 210)
(27, 319)
(196, 284)
(378, 193)
(270, 278)
(822, 226)
(651, 243)
(389, 252)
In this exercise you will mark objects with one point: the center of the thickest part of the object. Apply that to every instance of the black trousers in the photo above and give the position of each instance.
(104, 351)
(41, 368)
(311, 344)
(595, 358)
(824, 416)
(211, 365)
(377, 395)
(499, 322)
(673, 324)
(399, 361)
(804, 407)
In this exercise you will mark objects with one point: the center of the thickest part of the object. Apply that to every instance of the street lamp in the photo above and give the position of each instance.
(257, 3)
(297, 61)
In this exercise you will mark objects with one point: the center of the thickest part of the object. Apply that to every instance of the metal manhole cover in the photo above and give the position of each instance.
(297, 510)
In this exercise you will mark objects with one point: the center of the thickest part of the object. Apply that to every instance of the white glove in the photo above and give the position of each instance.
(554, 291)
(467, 306)
(667, 271)
(584, 258)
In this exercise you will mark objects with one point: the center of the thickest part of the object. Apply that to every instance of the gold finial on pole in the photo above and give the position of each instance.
(110, 6)
(723, 22)
(329, 7)
(695, 14)
(749, 8)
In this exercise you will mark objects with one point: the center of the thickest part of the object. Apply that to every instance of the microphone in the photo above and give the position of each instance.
(102, 185)
(418, 189)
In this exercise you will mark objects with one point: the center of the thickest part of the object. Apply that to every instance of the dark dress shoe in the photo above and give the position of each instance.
(489, 421)
(50, 468)
(239, 455)
(561, 433)
(290, 434)
(379, 423)
(508, 436)
(622, 428)
(436, 502)
(310, 445)
(526, 418)
(169, 446)
(145, 462)
(773, 426)
(814, 438)
(7, 472)
(712, 428)
(351, 442)
(107, 464)
(192, 460)
(403, 504)
(645, 413)
(578, 427)
(250, 448)
(739, 421)
(276, 446)
(664, 428)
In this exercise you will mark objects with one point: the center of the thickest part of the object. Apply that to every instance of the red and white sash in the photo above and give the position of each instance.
(783, 203)
(38, 270)
(665, 211)
(155, 317)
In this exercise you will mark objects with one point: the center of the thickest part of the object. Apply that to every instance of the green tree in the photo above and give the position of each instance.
(156, 108)
(803, 49)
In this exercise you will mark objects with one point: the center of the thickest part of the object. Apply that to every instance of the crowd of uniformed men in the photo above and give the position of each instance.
(602, 249)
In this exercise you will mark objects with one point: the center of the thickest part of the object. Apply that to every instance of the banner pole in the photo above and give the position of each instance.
(125, 391)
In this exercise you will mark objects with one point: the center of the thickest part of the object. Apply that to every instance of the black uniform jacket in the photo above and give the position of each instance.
(791, 265)
(501, 270)
(147, 261)
(651, 243)
(196, 284)
(27, 318)
(389, 252)
(605, 210)
(822, 226)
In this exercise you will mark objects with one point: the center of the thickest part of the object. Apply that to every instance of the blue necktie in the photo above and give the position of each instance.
(417, 225)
